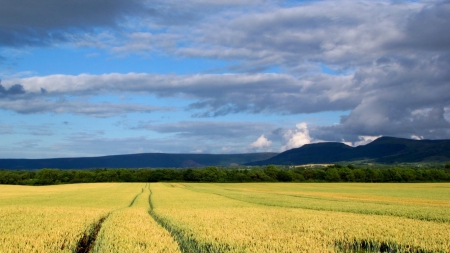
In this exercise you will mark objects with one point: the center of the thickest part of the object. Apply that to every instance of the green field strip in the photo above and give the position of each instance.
(426, 213)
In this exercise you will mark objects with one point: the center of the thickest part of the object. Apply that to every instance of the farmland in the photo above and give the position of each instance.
(198, 217)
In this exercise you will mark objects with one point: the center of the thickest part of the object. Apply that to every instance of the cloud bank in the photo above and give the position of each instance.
(384, 65)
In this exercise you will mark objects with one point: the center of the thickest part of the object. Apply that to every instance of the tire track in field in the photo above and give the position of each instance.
(132, 202)
(87, 242)
(185, 243)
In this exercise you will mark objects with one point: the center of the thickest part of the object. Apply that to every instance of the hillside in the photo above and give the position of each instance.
(383, 150)
(148, 160)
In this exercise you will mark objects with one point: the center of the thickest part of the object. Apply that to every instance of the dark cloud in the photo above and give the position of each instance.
(400, 54)
(299, 38)
(429, 124)
(31, 22)
(429, 29)
(15, 89)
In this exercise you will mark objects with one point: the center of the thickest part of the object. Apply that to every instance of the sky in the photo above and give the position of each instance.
(106, 77)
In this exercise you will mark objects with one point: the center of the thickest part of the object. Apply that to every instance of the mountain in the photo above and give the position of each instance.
(383, 150)
(149, 160)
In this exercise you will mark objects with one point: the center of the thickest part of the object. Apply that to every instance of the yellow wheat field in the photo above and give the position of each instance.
(54, 218)
(254, 217)
(221, 223)
(132, 229)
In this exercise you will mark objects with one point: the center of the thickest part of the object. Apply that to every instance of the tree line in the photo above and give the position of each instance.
(271, 173)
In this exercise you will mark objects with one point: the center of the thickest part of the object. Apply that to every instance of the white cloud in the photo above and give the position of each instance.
(297, 138)
(348, 143)
(415, 137)
(261, 143)
(365, 140)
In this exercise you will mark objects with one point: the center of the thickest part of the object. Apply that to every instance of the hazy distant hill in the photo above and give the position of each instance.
(382, 150)
(153, 160)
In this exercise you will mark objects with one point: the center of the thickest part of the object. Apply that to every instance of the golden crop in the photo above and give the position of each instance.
(254, 217)
(132, 229)
(54, 218)
(204, 214)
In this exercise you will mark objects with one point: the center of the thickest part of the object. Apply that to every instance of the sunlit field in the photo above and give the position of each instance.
(254, 217)
(55, 218)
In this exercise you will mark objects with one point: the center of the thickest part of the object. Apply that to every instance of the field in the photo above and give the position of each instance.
(254, 217)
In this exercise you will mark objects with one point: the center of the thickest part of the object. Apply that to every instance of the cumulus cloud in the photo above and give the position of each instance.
(297, 137)
(261, 143)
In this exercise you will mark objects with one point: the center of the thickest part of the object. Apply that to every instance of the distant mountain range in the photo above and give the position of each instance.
(383, 150)
(149, 160)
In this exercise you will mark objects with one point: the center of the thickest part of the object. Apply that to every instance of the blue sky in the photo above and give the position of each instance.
(93, 78)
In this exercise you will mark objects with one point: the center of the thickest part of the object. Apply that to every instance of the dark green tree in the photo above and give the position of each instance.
(332, 175)
(284, 176)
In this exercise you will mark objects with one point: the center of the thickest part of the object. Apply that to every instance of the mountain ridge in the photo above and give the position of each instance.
(143, 160)
(385, 150)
